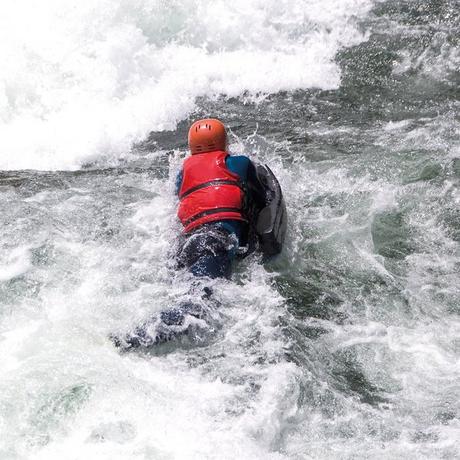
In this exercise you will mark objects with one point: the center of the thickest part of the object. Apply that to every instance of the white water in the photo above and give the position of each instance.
(81, 81)
(83, 255)
(66, 392)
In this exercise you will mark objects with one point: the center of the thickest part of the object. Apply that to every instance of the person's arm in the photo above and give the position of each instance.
(179, 182)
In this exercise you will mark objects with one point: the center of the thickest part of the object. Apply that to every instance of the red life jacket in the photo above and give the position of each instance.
(209, 191)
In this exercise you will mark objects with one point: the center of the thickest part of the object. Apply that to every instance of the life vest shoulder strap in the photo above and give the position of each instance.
(210, 212)
(213, 183)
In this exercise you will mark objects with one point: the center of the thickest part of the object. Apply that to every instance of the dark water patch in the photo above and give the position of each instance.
(424, 437)
(388, 76)
(367, 69)
(456, 167)
(167, 140)
(420, 12)
(445, 417)
(307, 299)
(351, 378)
(451, 220)
(28, 183)
(426, 171)
(391, 236)
(371, 91)
(298, 335)
(11, 180)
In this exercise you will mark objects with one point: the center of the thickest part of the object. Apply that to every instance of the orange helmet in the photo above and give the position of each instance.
(207, 135)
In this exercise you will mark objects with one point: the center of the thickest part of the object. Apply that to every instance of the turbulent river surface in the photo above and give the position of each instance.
(347, 345)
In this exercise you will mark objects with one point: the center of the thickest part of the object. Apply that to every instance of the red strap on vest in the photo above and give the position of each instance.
(209, 192)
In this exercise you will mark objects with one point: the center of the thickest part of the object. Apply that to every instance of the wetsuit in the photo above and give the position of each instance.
(210, 249)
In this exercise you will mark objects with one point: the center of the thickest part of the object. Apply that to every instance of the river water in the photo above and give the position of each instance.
(347, 345)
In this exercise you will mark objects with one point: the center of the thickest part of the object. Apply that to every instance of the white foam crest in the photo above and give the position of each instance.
(82, 81)
(16, 264)
(423, 133)
(440, 60)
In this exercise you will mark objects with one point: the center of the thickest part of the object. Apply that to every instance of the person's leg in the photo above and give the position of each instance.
(161, 328)
(209, 251)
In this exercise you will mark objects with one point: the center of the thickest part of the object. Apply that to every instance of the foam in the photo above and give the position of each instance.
(82, 81)
(17, 263)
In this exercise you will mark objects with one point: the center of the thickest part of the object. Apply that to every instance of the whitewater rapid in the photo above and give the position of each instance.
(346, 345)
(84, 81)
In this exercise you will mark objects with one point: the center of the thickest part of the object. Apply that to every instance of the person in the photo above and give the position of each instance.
(220, 197)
